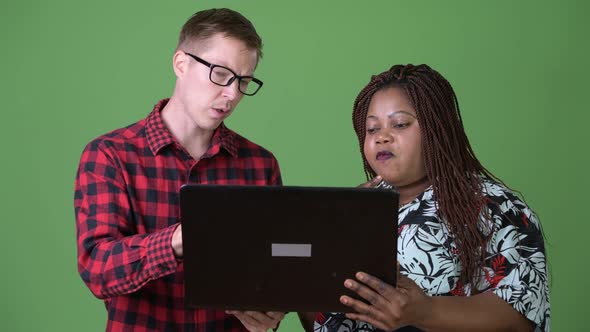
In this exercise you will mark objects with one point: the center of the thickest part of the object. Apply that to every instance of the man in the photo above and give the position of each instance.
(126, 192)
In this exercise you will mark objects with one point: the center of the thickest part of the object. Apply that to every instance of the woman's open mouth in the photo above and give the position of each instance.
(384, 155)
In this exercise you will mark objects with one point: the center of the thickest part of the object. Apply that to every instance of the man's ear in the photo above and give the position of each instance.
(180, 63)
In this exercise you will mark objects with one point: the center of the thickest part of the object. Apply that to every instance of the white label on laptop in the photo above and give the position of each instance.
(290, 250)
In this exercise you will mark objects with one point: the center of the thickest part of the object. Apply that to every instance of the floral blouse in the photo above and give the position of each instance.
(515, 264)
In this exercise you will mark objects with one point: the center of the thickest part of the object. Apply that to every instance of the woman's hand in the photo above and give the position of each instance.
(388, 307)
(371, 183)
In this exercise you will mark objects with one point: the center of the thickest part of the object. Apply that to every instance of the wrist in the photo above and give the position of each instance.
(428, 313)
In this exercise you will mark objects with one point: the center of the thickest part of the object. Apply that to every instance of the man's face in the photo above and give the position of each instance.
(205, 103)
(393, 144)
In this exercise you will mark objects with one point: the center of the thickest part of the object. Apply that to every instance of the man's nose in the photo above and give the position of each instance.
(231, 91)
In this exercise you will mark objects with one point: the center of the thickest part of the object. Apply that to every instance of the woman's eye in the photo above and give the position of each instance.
(371, 130)
(401, 125)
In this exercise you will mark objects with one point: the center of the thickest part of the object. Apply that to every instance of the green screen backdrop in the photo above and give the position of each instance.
(72, 70)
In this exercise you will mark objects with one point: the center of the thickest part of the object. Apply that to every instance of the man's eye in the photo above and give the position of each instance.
(221, 74)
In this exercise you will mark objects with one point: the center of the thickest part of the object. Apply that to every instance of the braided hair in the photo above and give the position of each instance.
(450, 163)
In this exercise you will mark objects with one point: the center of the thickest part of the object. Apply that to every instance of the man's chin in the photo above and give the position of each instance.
(213, 125)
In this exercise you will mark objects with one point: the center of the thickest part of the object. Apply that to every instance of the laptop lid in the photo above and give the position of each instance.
(283, 248)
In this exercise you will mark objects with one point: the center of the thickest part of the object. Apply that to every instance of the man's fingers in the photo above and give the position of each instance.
(258, 320)
(260, 317)
(276, 315)
(249, 322)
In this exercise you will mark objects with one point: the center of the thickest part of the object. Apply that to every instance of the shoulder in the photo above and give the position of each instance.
(246, 148)
(516, 265)
(118, 139)
(507, 208)
(117, 143)
(496, 191)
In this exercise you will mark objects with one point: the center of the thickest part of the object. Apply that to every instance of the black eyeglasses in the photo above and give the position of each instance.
(224, 76)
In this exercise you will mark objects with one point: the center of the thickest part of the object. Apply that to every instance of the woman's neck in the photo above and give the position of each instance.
(410, 191)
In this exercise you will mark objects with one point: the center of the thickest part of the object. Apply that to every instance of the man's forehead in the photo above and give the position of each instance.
(230, 55)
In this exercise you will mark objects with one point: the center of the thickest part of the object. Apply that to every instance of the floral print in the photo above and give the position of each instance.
(515, 263)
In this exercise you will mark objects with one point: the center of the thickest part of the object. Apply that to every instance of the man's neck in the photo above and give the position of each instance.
(410, 191)
(194, 139)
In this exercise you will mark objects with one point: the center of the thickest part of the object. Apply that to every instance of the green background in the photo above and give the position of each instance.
(72, 70)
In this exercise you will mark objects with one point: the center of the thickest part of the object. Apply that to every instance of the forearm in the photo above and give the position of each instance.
(113, 259)
(482, 312)
(115, 267)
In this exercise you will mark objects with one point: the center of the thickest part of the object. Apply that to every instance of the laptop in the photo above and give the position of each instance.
(284, 248)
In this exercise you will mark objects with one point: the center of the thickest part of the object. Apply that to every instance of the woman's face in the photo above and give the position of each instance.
(393, 144)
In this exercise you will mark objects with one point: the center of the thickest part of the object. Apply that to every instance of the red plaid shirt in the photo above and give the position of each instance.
(127, 208)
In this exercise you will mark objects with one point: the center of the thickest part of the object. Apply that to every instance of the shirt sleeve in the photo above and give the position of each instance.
(276, 178)
(516, 266)
(112, 258)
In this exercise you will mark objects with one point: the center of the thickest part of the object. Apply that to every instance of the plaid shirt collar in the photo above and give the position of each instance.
(158, 136)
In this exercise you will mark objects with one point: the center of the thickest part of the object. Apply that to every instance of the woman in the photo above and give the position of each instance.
(470, 252)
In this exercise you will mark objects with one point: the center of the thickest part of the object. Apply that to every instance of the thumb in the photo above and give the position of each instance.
(404, 282)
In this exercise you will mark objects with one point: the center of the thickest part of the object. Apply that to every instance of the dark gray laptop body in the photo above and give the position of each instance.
(283, 248)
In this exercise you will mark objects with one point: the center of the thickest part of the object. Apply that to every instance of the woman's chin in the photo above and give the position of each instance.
(394, 181)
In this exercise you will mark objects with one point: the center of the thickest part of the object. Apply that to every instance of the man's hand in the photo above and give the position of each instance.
(256, 321)
(177, 242)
